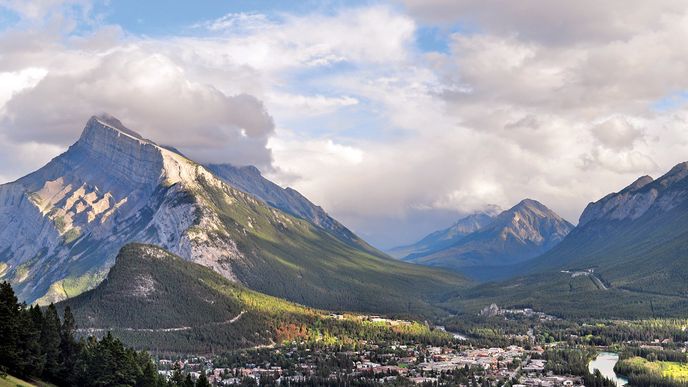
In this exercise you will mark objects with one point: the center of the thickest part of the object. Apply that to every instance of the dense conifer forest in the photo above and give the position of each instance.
(36, 344)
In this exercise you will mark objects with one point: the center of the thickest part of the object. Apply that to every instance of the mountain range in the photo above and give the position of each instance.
(483, 244)
(626, 258)
(62, 226)
(444, 238)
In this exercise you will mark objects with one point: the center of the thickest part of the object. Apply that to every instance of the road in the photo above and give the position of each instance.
(176, 329)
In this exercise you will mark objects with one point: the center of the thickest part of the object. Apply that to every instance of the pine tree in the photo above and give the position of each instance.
(38, 363)
(69, 348)
(177, 378)
(9, 329)
(35, 343)
(202, 381)
(29, 349)
(50, 343)
(149, 376)
(187, 381)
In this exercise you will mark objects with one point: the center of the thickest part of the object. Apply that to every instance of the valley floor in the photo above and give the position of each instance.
(507, 347)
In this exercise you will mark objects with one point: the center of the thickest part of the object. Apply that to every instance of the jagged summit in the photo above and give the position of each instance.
(107, 131)
(678, 172)
(641, 182)
(530, 221)
(112, 122)
(529, 215)
(520, 233)
(641, 197)
(107, 150)
(532, 205)
(527, 202)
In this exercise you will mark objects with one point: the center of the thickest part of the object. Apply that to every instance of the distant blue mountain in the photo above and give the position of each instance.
(481, 245)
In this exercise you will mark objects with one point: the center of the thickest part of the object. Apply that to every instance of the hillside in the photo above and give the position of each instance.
(62, 226)
(513, 236)
(567, 295)
(155, 300)
(249, 179)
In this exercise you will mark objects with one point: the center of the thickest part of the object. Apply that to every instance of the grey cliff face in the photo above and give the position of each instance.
(642, 196)
(61, 226)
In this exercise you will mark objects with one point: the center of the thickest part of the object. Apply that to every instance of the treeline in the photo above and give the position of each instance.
(609, 333)
(651, 380)
(37, 344)
(652, 354)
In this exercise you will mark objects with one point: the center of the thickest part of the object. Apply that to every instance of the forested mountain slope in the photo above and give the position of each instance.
(250, 180)
(155, 300)
(635, 239)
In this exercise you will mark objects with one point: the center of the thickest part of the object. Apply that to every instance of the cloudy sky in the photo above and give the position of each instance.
(397, 117)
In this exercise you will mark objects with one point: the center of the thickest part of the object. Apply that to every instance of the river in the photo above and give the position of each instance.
(456, 335)
(605, 362)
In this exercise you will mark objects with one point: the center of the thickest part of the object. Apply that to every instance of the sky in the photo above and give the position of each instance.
(397, 117)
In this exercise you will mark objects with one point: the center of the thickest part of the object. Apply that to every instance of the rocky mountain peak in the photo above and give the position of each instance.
(105, 127)
(641, 196)
(678, 172)
(530, 204)
(532, 209)
(530, 220)
(638, 184)
(107, 148)
(522, 232)
(115, 123)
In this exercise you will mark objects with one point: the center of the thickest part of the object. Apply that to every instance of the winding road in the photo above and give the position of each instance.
(177, 329)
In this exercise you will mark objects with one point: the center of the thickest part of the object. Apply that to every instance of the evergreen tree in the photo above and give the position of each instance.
(187, 381)
(177, 378)
(202, 381)
(30, 354)
(35, 343)
(50, 343)
(9, 328)
(35, 346)
(149, 376)
(69, 348)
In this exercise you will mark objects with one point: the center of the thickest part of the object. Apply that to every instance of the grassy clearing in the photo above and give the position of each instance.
(11, 381)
